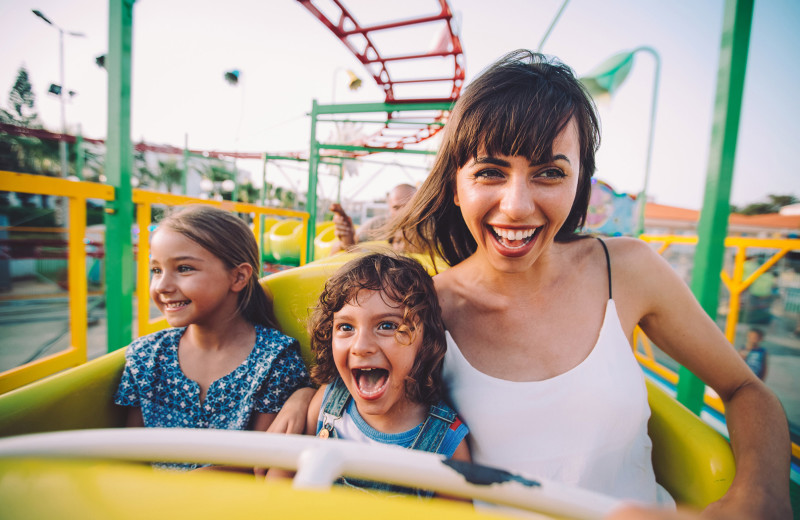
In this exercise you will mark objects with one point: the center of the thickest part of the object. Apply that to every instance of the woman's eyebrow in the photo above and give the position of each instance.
(491, 160)
(501, 162)
(554, 159)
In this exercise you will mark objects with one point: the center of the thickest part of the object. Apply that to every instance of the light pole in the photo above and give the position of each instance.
(605, 79)
(62, 142)
(233, 78)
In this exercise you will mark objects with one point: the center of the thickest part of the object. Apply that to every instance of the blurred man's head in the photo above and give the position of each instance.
(399, 197)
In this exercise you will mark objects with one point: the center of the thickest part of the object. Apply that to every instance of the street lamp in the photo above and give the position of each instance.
(605, 79)
(233, 79)
(63, 90)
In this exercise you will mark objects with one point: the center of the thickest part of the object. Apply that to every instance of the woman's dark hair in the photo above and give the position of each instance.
(516, 107)
(403, 281)
(227, 237)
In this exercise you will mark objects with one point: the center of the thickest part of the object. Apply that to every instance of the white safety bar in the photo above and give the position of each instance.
(318, 463)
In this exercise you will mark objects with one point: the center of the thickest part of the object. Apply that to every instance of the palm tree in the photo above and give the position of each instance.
(170, 174)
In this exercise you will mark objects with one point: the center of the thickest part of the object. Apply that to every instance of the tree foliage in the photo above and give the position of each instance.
(22, 96)
(772, 205)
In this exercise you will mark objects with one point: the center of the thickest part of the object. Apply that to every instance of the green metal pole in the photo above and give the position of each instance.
(263, 194)
(185, 172)
(713, 226)
(79, 159)
(311, 197)
(119, 163)
(339, 185)
(651, 134)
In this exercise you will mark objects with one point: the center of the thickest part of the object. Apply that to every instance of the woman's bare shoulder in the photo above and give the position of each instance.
(630, 255)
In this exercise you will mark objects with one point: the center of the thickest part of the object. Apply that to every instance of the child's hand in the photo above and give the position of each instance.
(292, 417)
(343, 226)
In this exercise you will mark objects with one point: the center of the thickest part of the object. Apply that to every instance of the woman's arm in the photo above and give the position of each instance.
(292, 417)
(673, 319)
(263, 421)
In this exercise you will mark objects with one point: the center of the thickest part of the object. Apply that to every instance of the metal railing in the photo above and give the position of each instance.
(78, 192)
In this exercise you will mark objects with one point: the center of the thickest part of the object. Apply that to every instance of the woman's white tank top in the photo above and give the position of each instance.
(586, 427)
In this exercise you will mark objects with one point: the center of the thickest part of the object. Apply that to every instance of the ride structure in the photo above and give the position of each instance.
(119, 215)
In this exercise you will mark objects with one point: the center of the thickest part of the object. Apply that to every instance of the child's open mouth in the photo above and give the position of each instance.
(371, 382)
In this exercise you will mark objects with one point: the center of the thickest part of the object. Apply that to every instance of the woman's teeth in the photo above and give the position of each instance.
(515, 235)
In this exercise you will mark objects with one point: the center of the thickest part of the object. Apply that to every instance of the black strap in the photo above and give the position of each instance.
(608, 265)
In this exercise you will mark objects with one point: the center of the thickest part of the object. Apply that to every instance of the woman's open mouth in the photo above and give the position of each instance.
(514, 239)
(371, 383)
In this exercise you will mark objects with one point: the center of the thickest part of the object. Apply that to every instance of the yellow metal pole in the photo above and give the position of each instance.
(736, 287)
(143, 216)
(76, 269)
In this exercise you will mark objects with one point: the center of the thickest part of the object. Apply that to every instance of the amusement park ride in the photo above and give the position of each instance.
(38, 475)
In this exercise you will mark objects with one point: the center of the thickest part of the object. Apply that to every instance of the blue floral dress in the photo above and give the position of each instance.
(153, 381)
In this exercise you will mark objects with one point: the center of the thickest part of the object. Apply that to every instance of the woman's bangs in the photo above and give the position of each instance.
(514, 128)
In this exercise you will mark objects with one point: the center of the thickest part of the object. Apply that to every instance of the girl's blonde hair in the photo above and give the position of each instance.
(227, 237)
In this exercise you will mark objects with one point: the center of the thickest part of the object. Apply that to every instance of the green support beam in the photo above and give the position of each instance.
(713, 226)
(384, 122)
(79, 155)
(360, 108)
(119, 163)
(371, 149)
(311, 196)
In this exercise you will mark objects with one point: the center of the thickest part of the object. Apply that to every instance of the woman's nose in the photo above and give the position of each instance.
(517, 202)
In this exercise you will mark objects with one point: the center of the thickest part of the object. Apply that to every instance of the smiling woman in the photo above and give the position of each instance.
(540, 320)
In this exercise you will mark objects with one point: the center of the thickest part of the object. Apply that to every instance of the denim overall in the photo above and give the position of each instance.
(429, 438)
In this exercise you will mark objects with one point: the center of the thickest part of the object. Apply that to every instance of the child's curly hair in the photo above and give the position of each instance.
(404, 281)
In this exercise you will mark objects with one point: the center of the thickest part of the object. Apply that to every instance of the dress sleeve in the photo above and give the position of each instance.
(287, 374)
(128, 389)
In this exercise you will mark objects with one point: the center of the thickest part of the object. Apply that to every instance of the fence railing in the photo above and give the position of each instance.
(77, 192)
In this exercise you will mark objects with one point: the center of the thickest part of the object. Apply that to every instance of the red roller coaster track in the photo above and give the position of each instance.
(360, 41)
(399, 129)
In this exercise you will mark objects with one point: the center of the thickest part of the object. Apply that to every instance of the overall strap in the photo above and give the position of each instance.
(336, 403)
(434, 428)
(608, 265)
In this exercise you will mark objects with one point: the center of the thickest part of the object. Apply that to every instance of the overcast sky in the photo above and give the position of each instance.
(287, 58)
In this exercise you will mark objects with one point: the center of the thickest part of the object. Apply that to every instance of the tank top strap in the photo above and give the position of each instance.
(608, 265)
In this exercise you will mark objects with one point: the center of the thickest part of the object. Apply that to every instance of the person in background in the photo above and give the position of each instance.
(346, 236)
(754, 354)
